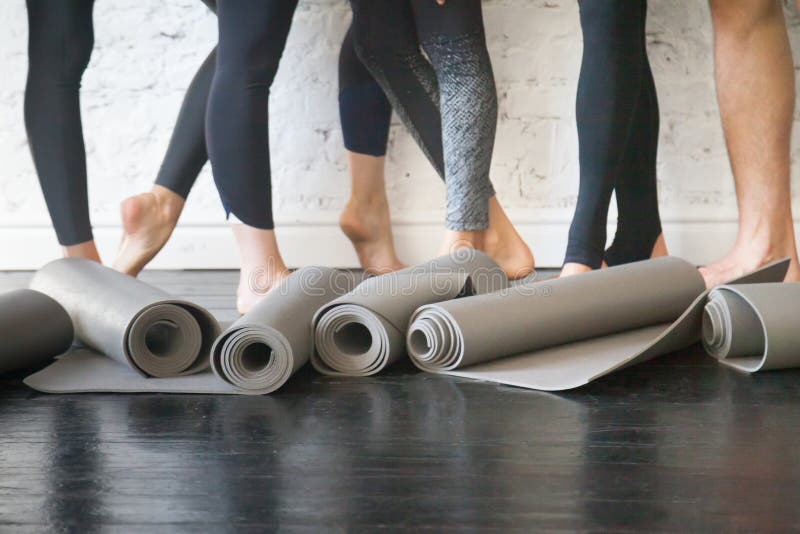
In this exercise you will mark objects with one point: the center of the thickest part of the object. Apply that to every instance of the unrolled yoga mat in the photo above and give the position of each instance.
(754, 327)
(257, 354)
(563, 333)
(361, 333)
(85, 370)
(34, 329)
(128, 320)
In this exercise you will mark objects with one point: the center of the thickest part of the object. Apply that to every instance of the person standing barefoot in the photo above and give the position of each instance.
(618, 121)
(448, 101)
(149, 218)
(756, 94)
(226, 112)
(60, 43)
(365, 115)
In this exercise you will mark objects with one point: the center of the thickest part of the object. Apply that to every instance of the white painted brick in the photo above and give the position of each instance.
(147, 52)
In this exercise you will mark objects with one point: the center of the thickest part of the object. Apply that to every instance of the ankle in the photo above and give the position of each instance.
(373, 200)
(257, 280)
(764, 247)
(170, 204)
(86, 250)
(457, 239)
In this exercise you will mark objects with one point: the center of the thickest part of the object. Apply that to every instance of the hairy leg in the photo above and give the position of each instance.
(755, 90)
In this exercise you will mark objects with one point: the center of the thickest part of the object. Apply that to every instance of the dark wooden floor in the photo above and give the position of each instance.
(678, 444)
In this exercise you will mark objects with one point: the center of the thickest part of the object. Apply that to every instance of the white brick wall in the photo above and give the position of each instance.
(147, 51)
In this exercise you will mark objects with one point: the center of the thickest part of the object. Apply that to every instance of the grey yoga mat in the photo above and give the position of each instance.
(754, 327)
(261, 350)
(257, 354)
(33, 329)
(128, 320)
(563, 333)
(361, 333)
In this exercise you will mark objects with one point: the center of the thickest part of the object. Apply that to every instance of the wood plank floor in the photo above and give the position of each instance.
(677, 444)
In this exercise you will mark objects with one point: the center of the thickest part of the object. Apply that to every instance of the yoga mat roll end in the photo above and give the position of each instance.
(34, 328)
(256, 359)
(171, 338)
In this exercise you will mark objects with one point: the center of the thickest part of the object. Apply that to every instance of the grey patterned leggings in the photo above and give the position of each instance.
(448, 101)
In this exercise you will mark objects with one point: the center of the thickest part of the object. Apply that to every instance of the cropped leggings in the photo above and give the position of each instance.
(226, 110)
(60, 42)
(252, 36)
(618, 121)
(448, 101)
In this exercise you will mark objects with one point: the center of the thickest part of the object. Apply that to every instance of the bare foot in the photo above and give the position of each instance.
(571, 269)
(505, 246)
(86, 250)
(262, 267)
(255, 281)
(148, 220)
(742, 260)
(368, 227)
(456, 240)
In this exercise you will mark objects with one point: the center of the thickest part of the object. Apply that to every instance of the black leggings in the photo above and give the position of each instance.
(252, 36)
(59, 47)
(448, 103)
(186, 154)
(60, 41)
(618, 120)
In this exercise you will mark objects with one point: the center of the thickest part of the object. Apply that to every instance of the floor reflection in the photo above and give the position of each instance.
(655, 447)
(77, 475)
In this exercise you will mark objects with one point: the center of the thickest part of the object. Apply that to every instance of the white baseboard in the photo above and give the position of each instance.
(322, 243)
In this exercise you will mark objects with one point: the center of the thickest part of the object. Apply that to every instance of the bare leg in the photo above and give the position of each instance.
(457, 239)
(660, 248)
(755, 90)
(262, 267)
(86, 250)
(365, 219)
(571, 269)
(148, 220)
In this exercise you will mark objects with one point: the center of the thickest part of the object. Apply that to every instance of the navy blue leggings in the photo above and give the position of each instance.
(364, 110)
(618, 121)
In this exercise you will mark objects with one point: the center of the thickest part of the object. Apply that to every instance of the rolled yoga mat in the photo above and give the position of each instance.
(563, 333)
(34, 329)
(261, 350)
(257, 354)
(128, 320)
(754, 327)
(361, 333)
